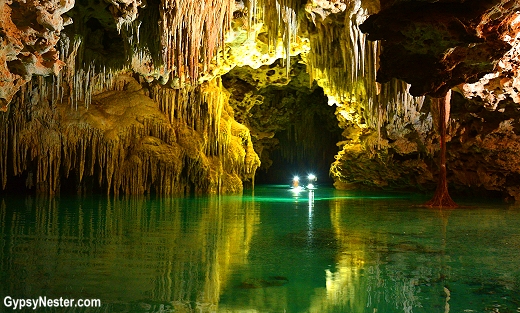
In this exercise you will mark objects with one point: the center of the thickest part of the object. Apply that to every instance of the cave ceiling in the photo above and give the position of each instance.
(453, 42)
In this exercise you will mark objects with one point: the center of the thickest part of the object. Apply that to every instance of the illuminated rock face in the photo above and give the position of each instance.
(436, 46)
(183, 128)
(29, 31)
(123, 143)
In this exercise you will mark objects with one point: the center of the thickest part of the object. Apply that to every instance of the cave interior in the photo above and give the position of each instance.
(174, 97)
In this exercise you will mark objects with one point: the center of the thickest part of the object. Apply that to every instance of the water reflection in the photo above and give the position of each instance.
(357, 282)
(132, 253)
(414, 264)
(273, 251)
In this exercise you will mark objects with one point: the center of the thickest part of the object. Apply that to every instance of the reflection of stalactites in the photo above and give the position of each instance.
(224, 243)
(345, 286)
(191, 262)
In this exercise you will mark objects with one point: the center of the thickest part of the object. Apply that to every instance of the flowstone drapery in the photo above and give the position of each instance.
(124, 143)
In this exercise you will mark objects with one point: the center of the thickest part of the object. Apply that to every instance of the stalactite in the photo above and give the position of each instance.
(165, 153)
(4, 148)
(252, 13)
(344, 63)
(204, 110)
(282, 22)
(185, 57)
(192, 32)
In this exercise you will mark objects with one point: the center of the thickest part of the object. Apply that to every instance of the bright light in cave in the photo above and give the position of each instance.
(311, 178)
(296, 182)
(296, 190)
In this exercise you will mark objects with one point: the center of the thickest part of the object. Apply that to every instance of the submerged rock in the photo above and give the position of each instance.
(272, 281)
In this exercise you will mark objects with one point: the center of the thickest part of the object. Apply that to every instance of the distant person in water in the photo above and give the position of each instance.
(295, 182)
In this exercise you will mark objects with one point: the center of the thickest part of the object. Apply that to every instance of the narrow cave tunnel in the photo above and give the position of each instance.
(307, 145)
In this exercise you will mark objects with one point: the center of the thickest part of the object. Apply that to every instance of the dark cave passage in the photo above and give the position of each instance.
(284, 168)
(293, 129)
(306, 146)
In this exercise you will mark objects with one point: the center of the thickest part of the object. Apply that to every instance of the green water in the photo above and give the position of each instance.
(271, 251)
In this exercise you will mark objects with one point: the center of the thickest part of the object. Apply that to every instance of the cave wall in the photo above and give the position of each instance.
(125, 142)
(29, 32)
(435, 46)
(125, 115)
(293, 130)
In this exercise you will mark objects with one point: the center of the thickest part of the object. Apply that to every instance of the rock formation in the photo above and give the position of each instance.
(436, 46)
(182, 96)
(29, 32)
(123, 143)
(453, 43)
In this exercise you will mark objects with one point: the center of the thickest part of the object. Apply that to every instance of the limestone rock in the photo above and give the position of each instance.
(454, 42)
(171, 112)
(122, 143)
(503, 83)
(125, 11)
(29, 31)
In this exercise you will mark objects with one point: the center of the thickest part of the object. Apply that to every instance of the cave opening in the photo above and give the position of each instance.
(307, 145)
(294, 130)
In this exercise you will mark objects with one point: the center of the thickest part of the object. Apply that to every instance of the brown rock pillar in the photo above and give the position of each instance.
(442, 198)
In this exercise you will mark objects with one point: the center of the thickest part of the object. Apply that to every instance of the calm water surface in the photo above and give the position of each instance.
(271, 251)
